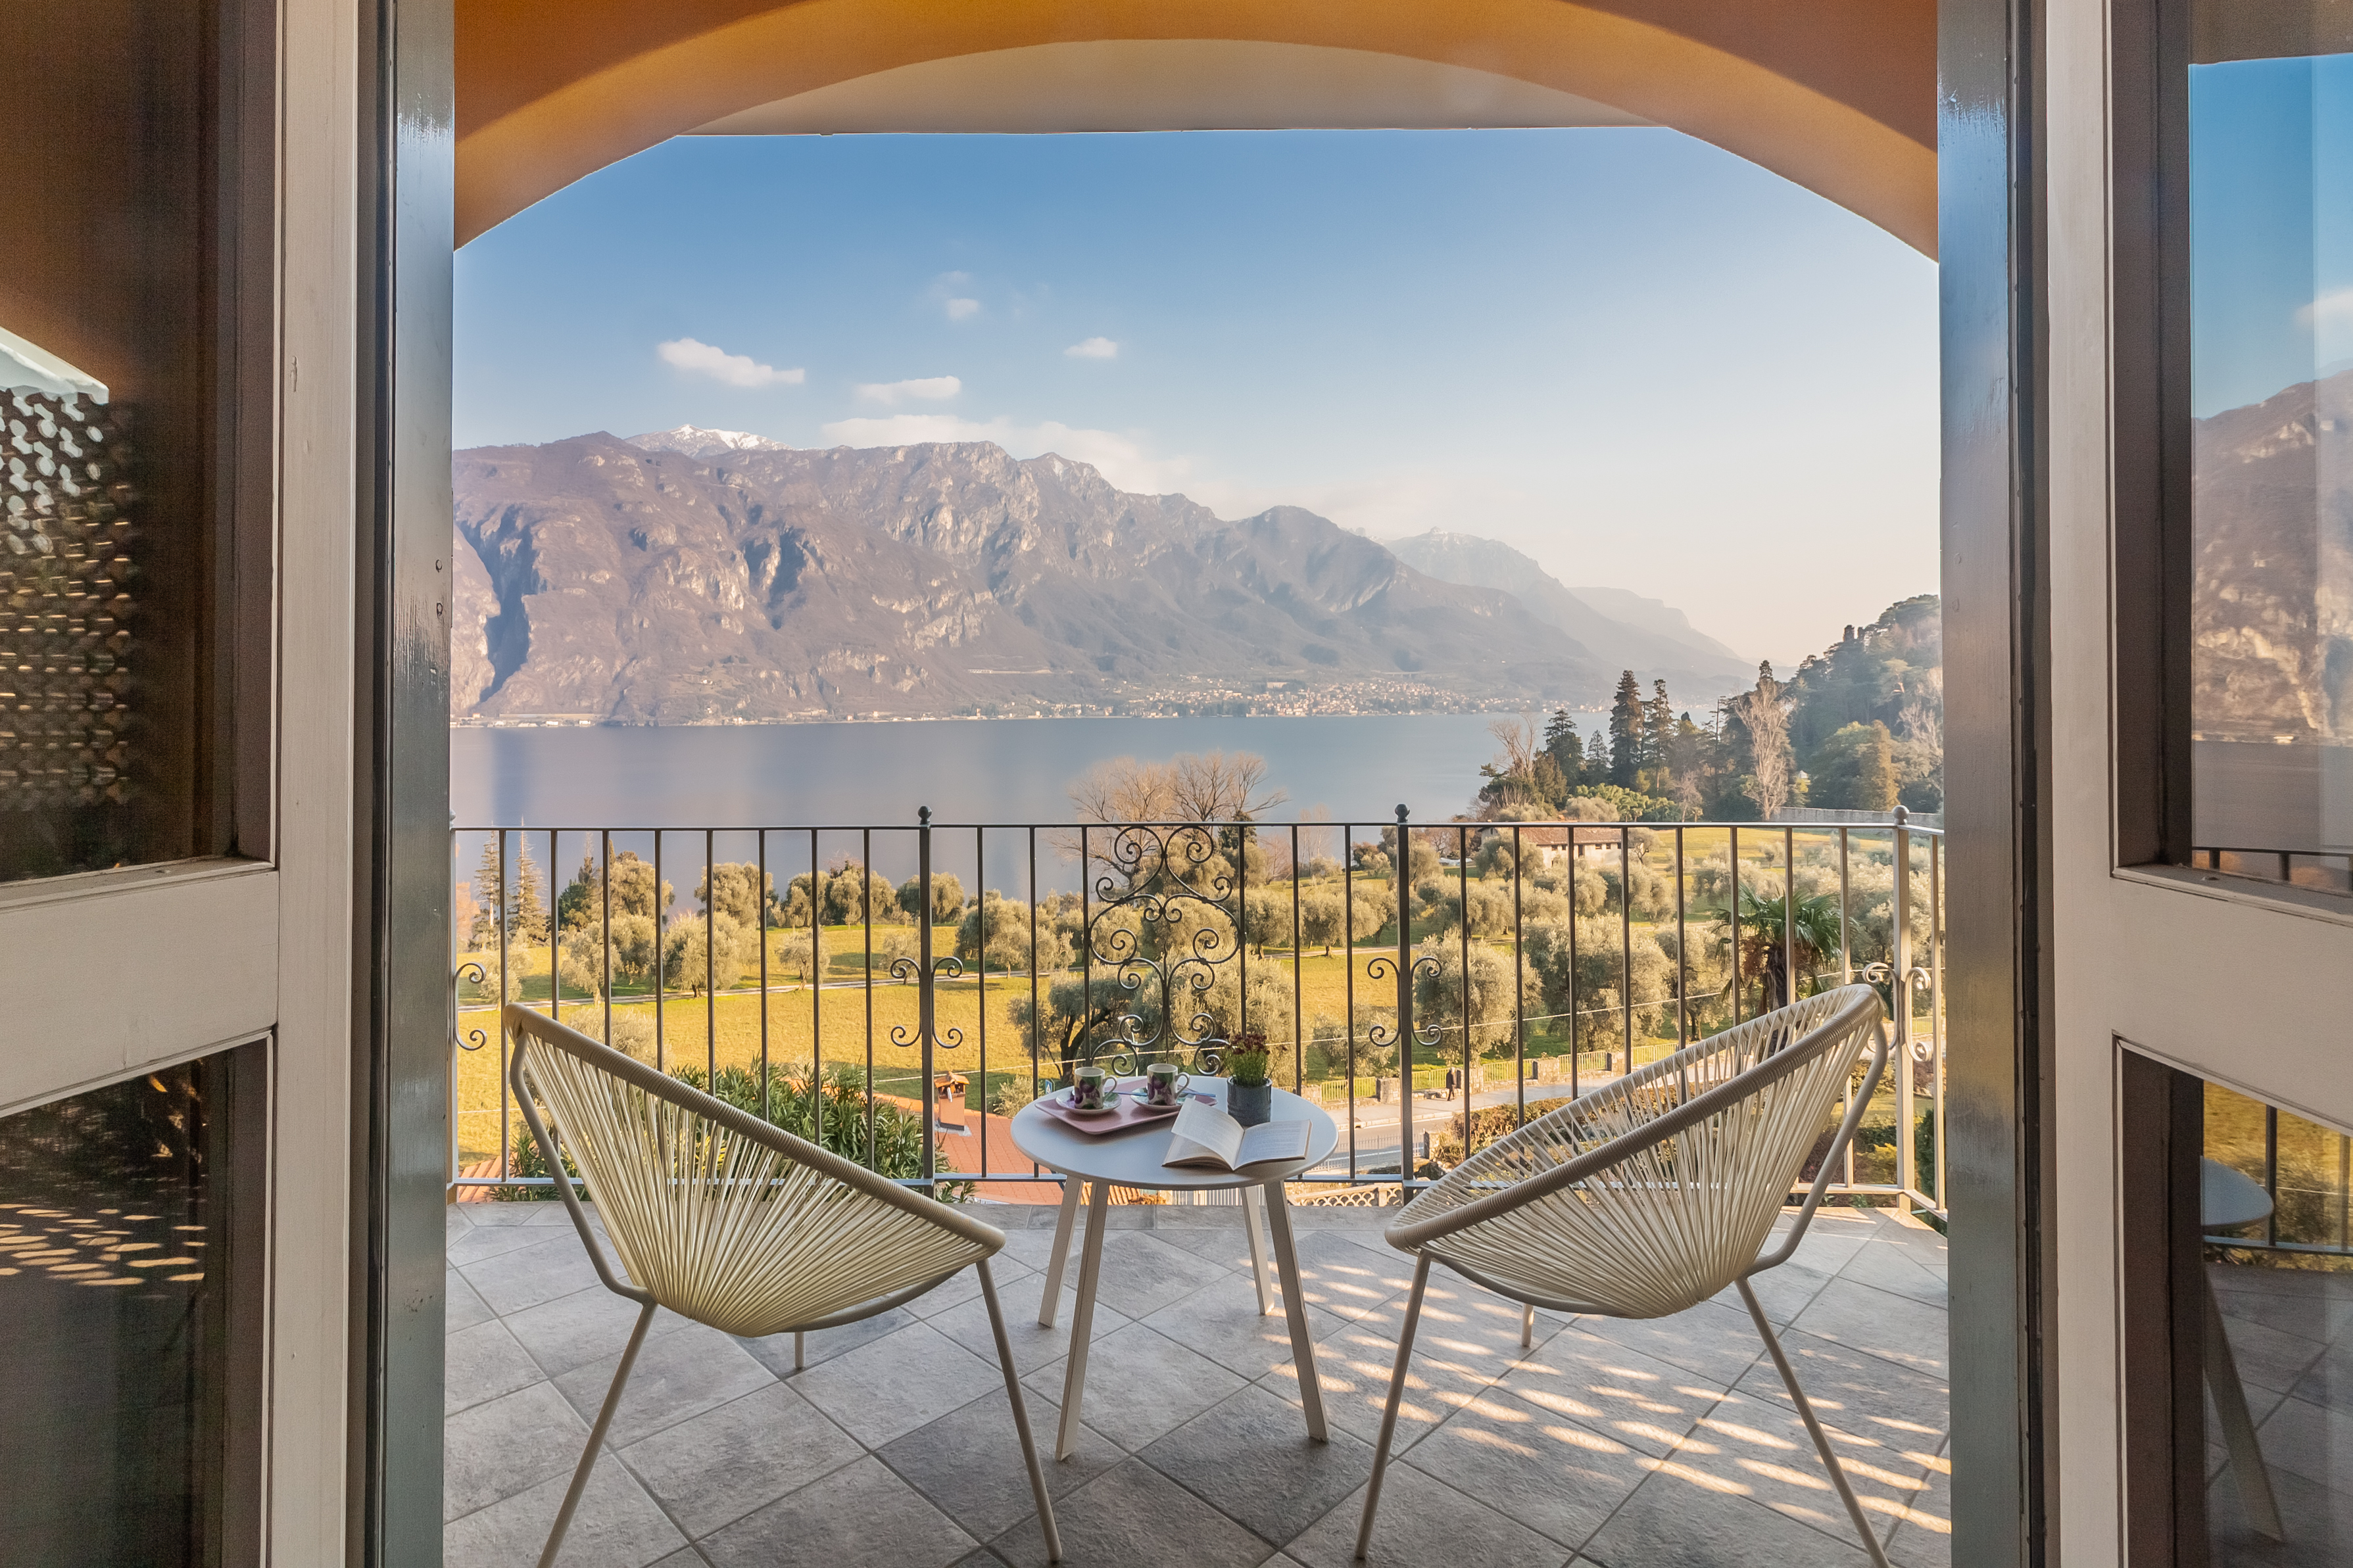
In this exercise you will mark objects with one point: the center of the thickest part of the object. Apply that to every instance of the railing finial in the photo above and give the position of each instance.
(924, 815)
(1401, 815)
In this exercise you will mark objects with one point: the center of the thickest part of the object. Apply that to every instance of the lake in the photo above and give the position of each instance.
(989, 770)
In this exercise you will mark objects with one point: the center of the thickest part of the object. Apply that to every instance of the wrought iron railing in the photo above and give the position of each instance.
(902, 1021)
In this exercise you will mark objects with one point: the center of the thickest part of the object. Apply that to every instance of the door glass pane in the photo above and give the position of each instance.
(2271, 129)
(114, 1220)
(2277, 1199)
(108, 451)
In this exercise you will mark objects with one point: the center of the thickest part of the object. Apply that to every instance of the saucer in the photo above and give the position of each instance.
(1067, 1102)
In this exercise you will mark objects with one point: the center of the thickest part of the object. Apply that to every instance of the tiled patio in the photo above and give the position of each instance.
(1611, 1444)
(2292, 1335)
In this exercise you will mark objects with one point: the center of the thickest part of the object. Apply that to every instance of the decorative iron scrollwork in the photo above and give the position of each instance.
(1167, 926)
(945, 968)
(1382, 1039)
(1921, 980)
(466, 973)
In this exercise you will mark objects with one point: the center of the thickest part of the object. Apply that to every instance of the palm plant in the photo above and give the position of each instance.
(1812, 933)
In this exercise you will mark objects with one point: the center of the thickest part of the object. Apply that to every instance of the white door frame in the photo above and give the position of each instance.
(200, 955)
(2219, 981)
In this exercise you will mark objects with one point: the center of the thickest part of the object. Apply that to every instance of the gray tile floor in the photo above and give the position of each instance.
(1609, 1445)
(2292, 1335)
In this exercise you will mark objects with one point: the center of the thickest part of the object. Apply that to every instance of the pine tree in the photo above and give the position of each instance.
(527, 910)
(487, 897)
(1565, 747)
(1626, 732)
(1658, 730)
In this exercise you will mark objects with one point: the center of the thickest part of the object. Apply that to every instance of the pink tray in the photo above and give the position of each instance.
(1132, 1114)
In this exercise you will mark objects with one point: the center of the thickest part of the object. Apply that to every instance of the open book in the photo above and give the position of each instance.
(1206, 1136)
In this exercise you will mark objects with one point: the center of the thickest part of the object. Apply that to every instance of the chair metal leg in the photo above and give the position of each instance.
(1020, 1417)
(2238, 1427)
(1814, 1428)
(1258, 1251)
(596, 1438)
(797, 1351)
(1527, 1325)
(1083, 1321)
(1295, 1308)
(1397, 1396)
(1052, 1301)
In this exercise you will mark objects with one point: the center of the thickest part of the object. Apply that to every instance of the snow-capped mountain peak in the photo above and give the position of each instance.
(696, 442)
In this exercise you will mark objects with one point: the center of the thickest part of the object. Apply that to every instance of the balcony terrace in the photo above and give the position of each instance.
(1608, 1442)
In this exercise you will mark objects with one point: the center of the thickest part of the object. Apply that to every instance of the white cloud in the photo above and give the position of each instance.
(1093, 348)
(1120, 459)
(2334, 308)
(948, 292)
(736, 370)
(891, 394)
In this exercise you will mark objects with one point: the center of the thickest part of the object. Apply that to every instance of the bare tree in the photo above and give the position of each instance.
(1921, 716)
(1519, 738)
(1124, 790)
(1688, 797)
(1221, 786)
(1766, 712)
(1208, 786)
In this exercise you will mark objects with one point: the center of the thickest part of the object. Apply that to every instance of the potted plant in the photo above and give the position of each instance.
(1249, 1089)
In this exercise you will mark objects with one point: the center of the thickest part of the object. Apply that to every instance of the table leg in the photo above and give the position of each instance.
(1294, 1307)
(2238, 1427)
(1051, 1301)
(1083, 1321)
(1251, 1196)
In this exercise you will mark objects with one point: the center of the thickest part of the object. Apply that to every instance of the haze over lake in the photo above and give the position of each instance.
(987, 771)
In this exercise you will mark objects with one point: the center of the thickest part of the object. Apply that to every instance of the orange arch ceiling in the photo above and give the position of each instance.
(1838, 96)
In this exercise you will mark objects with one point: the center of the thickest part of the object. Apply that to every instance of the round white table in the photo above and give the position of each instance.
(1133, 1159)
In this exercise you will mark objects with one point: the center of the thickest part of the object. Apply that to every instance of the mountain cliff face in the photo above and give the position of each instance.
(1623, 631)
(689, 577)
(2272, 593)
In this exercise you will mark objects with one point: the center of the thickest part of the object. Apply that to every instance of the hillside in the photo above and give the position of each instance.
(743, 581)
(1621, 629)
(2270, 622)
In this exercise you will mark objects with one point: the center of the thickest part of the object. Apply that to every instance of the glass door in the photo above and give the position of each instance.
(138, 902)
(2233, 902)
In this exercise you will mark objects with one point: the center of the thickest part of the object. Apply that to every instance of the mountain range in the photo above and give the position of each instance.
(700, 576)
(1625, 630)
(2271, 600)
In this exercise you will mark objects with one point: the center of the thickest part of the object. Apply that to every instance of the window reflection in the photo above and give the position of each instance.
(112, 1250)
(114, 446)
(2271, 119)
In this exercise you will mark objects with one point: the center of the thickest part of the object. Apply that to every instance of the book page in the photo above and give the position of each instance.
(1204, 1135)
(1272, 1142)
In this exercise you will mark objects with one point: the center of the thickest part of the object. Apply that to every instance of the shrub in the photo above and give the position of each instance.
(692, 959)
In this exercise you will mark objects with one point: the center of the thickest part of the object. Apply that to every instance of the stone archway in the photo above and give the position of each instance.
(1836, 95)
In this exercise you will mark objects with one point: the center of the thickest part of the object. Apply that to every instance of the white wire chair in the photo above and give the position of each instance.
(725, 1219)
(1650, 1194)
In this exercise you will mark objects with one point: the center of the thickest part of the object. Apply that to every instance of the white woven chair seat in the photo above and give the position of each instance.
(1670, 1224)
(726, 1229)
(1650, 1196)
(721, 1217)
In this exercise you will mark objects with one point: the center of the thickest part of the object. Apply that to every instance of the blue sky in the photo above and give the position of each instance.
(1645, 361)
(2271, 226)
